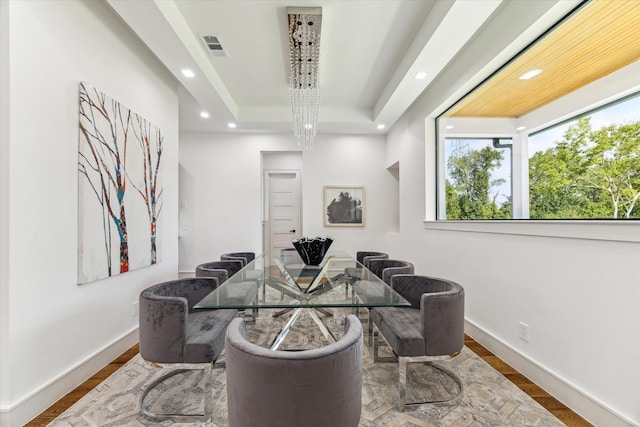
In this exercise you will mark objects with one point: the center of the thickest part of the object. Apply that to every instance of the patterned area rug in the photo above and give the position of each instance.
(488, 399)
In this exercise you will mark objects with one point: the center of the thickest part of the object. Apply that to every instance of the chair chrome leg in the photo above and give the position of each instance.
(180, 417)
(376, 345)
(402, 388)
(403, 364)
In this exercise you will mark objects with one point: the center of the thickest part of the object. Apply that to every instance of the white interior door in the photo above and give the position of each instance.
(284, 221)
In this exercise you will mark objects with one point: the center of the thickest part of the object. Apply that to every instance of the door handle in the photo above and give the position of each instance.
(292, 231)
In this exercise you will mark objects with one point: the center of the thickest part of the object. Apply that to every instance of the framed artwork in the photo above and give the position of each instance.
(344, 206)
(119, 188)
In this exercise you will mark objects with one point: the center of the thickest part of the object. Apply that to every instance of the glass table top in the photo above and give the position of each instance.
(285, 281)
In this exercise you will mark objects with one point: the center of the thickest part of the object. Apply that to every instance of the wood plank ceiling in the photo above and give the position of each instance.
(600, 38)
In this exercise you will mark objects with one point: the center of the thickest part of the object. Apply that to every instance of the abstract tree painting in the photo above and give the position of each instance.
(120, 188)
(344, 206)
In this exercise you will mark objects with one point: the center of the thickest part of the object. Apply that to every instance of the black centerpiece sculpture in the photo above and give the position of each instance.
(312, 251)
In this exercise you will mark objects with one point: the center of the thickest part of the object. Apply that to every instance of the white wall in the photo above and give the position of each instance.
(221, 191)
(349, 160)
(54, 332)
(576, 284)
(4, 204)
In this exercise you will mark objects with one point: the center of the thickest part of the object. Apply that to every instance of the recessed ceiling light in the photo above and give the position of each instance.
(231, 125)
(188, 73)
(521, 128)
(449, 127)
(380, 126)
(204, 114)
(530, 74)
(421, 75)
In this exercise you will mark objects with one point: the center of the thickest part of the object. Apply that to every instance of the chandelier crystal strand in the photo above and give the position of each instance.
(305, 104)
(304, 59)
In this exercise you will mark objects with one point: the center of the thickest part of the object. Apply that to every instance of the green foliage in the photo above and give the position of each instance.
(589, 174)
(468, 192)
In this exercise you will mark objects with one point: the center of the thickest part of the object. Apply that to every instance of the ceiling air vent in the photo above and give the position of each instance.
(214, 45)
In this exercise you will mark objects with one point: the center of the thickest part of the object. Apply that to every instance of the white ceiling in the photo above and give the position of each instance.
(370, 51)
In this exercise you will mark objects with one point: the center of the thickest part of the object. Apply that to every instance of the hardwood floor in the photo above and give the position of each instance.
(73, 396)
(550, 403)
(564, 414)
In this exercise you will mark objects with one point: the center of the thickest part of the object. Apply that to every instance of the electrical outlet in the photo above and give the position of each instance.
(523, 331)
(135, 309)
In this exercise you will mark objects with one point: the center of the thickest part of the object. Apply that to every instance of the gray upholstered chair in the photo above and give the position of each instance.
(245, 257)
(431, 329)
(363, 257)
(387, 268)
(312, 388)
(172, 332)
(221, 270)
(224, 269)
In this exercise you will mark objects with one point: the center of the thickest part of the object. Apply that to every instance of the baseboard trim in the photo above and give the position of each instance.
(578, 400)
(32, 405)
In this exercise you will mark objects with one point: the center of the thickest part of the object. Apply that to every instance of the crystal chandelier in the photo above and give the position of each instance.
(304, 57)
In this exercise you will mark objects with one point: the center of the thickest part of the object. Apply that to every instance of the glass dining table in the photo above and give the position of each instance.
(284, 282)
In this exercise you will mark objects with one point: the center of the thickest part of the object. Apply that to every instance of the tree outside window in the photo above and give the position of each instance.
(591, 170)
(478, 181)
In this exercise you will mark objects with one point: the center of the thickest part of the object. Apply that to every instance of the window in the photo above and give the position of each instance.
(478, 178)
(588, 167)
(527, 145)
